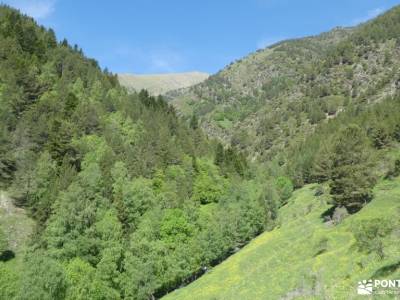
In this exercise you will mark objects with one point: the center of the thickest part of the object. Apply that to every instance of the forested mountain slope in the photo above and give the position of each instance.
(126, 197)
(331, 234)
(131, 201)
(274, 97)
(159, 84)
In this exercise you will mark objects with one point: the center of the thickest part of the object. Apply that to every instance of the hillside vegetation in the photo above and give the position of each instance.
(307, 258)
(159, 84)
(273, 98)
(130, 201)
(125, 200)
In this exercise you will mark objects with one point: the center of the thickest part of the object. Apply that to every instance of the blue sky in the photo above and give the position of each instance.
(159, 36)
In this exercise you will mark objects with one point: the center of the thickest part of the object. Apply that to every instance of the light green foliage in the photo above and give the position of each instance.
(370, 233)
(42, 279)
(83, 283)
(132, 200)
(268, 268)
(9, 279)
(68, 233)
(284, 188)
(209, 186)
(271, 201)
(175, 228)
(122, 132)
(93, 147)
(42, 188)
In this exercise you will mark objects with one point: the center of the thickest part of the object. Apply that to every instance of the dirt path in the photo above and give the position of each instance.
(15, 223)
(6, 203)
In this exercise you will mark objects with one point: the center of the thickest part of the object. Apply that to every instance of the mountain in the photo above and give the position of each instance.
(110, 195)
(264, 102)
(120, 195)
(159, 84)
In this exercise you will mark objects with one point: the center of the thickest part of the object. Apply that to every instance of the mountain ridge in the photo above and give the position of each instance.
(158, 84)
(304, 78)
(131, 200)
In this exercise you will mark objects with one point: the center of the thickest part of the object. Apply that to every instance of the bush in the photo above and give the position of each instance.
(284, 187)
(369, 235)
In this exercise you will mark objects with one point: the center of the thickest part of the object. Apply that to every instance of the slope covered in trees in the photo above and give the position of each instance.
(273, 98)
(126, 196)
(131, 201)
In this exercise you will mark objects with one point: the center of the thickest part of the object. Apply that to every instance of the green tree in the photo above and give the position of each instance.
(284, 188)
(369, 235)
(219, 155)
(194, 122)
(270, 200)
(209, 185)
(84, 283)
(352, 179)
(42, 279)
(175, 228)
(322, 164)
(43, 187)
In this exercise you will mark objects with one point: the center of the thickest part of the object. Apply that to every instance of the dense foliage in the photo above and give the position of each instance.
(130, 201)
(317, 109)
(276, 97)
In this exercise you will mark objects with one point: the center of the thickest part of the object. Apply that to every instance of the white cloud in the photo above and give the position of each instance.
(265, 42)
(369, 15)
(38, 9)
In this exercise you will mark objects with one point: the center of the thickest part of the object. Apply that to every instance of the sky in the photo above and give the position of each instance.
(164, 36)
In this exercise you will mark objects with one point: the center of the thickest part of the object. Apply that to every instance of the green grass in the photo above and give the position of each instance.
(285, 263)
(18, 228)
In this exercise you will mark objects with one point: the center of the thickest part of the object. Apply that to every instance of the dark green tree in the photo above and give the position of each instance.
(194, 122)
(352, 179)
(219, 155)
(322, 165)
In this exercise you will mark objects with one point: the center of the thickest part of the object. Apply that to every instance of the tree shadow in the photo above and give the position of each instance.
(7, 255)
(386, 270)
(328, 214)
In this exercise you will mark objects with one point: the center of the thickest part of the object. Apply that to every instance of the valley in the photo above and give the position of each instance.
(275, 178)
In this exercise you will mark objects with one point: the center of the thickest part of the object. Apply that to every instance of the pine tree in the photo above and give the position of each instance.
(322, 165)
(352, 180)
(194, 122)
(219, 155)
